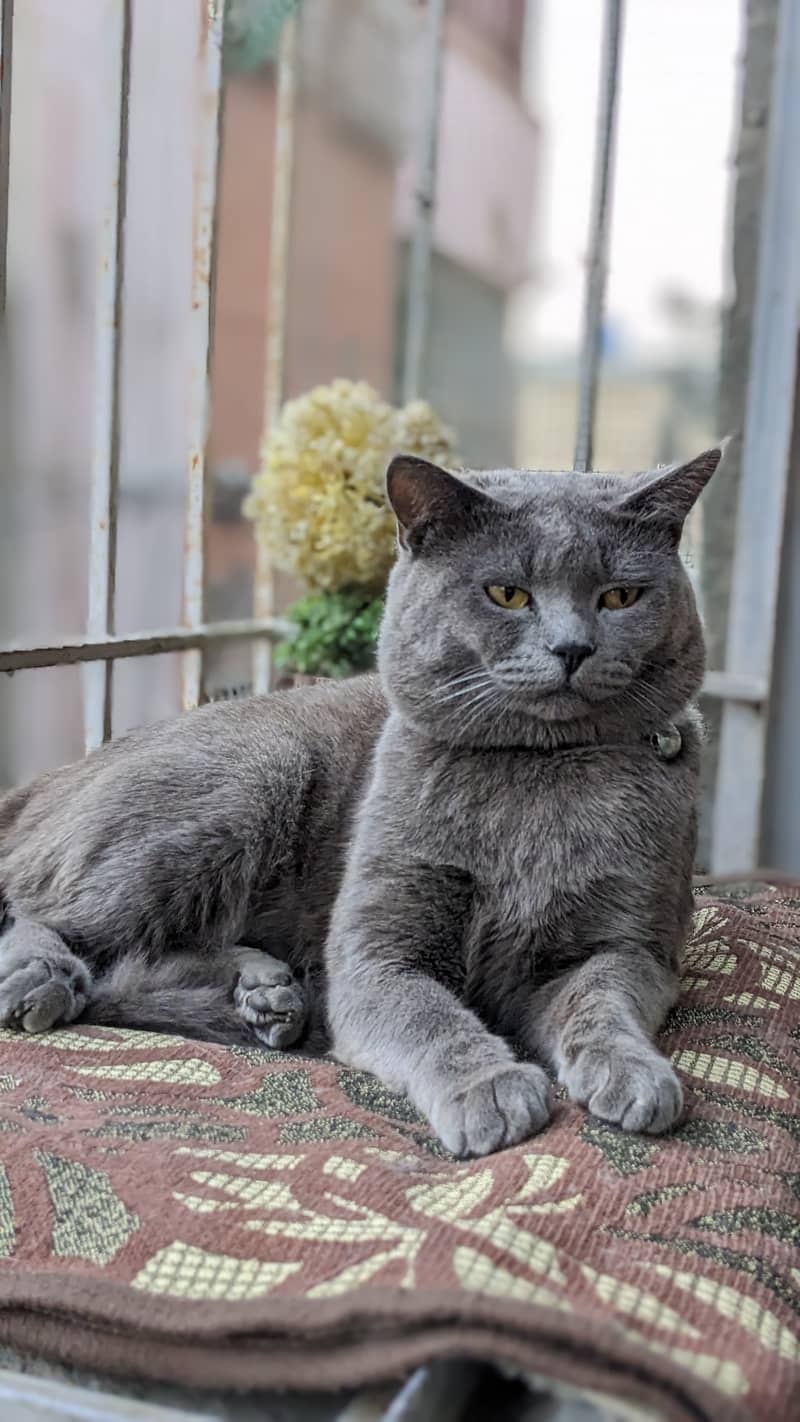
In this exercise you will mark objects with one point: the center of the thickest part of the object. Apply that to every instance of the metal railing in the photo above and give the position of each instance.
(769, 420)
(100, 647)
(109, 276)
(421, 245)
(283, 161)
(745, 684)
(6, 51)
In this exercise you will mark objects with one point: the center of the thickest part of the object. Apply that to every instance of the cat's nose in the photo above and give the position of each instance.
(572, 654)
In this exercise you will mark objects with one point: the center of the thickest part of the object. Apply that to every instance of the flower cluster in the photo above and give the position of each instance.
(317, 502)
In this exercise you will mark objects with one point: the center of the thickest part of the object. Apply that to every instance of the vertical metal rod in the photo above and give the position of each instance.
(208, 123)
(442, 1390)
(113, 133)
(6, 48)
(599, 224)
(277, 283)
(419, 261)
(768, 424)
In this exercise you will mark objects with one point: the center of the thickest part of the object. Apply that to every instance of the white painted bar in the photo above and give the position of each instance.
(768, 424)
(599, 227)
(726, 686)
(277, 282)
(112, 141)
(6, 50)
(207, 118)
(69, 650)
(419, 259)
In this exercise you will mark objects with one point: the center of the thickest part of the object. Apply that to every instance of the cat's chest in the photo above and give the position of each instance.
(525, 827)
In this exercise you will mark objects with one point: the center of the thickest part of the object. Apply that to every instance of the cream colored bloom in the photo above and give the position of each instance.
(317, 502)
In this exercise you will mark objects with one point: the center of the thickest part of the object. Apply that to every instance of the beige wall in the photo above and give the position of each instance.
(341, 274)
(629, 415)
(340, 304)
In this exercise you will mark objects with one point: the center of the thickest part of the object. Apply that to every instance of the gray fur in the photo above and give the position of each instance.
(518, 860)
(163, 855)
(519, 879)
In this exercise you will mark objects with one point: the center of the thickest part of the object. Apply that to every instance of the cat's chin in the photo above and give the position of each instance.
(560, 706)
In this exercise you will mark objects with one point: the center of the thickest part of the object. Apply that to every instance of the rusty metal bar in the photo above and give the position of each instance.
(69, 650)
(718, 685)
(6, 51)
(599, 224)
(277, 282)
(208, 121)
(419, 261)
(115, 71)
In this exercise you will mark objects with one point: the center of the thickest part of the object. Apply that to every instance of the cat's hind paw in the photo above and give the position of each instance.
(271, 1001)
(634, 1088)
(42, 993)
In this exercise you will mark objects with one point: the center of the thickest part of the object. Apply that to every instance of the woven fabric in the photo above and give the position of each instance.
(235, 1217)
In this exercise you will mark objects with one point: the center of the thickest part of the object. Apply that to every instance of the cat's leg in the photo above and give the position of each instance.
(416, 1036)
(42, 984)
(392, 929)
(596, 1025)
(269, 998)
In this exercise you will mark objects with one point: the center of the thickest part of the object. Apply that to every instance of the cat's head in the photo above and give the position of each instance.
(532, 608)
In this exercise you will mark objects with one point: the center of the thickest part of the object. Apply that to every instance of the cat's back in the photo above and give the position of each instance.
(226, 756)
(336, 720)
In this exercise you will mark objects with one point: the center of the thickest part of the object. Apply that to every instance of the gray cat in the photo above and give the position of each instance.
(495, 838)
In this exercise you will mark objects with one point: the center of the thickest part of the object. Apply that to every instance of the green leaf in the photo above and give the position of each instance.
(337, 634)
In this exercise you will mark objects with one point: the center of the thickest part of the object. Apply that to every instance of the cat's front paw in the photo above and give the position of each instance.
(632, 1087)
(498, 1110)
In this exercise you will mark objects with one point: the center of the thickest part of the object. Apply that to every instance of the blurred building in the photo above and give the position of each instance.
(356, 126)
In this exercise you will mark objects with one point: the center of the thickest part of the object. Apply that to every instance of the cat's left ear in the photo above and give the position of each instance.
(668, 495)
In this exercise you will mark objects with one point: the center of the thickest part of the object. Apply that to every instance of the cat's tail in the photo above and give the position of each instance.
(181, 994)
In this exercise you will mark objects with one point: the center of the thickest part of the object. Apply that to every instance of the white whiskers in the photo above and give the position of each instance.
(462, 685)
(486, 697)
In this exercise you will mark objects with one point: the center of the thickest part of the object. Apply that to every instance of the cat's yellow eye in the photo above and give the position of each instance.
(512, 599)
(616, 599)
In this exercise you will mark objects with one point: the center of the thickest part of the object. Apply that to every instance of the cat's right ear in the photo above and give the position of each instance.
(426, 500)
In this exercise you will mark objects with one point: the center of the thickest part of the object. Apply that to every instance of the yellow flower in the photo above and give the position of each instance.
(317, 502)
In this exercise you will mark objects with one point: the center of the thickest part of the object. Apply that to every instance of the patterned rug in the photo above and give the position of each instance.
(243, 1218)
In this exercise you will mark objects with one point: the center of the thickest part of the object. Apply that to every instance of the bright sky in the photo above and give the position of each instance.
(675, 144)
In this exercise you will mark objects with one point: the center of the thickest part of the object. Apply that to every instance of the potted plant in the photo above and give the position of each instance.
(318, 509)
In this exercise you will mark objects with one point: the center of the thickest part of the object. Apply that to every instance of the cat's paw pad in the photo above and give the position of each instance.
(500, 1109)
(634, 1088)
(42, 994)
(274, 1004)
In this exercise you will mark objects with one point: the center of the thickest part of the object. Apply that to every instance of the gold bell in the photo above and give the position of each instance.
(667, 744)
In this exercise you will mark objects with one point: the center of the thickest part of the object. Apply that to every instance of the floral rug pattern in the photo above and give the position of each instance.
(243, 1217)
